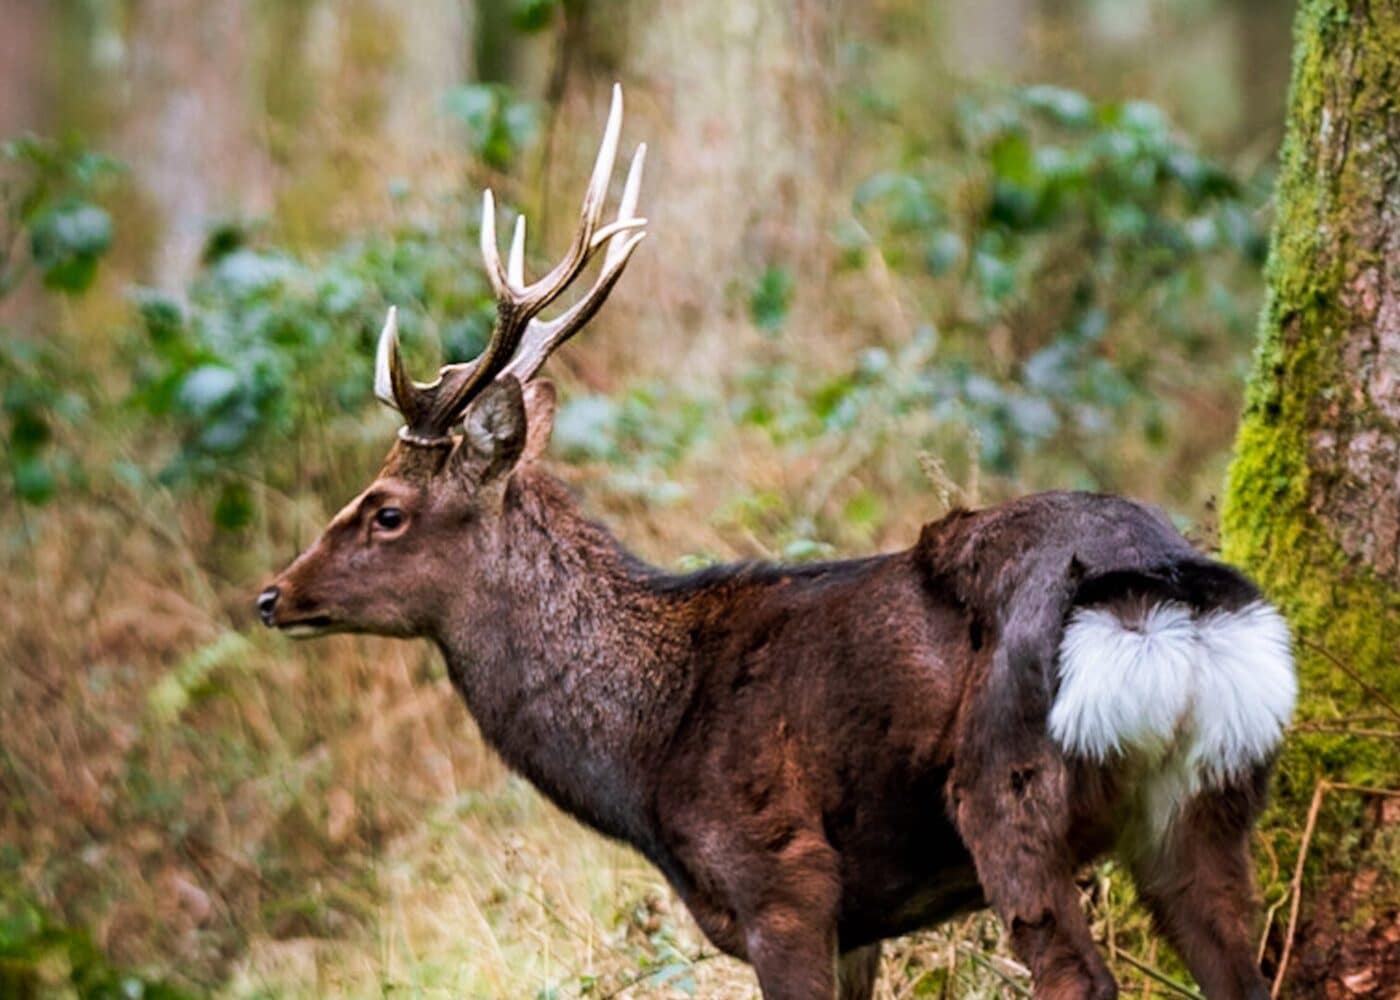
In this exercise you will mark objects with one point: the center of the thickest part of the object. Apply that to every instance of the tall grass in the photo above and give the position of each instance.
(245, 816)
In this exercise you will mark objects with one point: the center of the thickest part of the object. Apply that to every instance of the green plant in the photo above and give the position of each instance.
(41, 958)
(1111, 265)
(50, 222)
(49, 216)
(39, 393)
(272, 346)
(498, 124)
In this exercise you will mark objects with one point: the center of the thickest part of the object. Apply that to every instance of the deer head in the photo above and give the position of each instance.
(388, 558)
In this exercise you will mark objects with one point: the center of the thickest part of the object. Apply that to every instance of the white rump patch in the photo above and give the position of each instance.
(1197, 699)
(1245, 696)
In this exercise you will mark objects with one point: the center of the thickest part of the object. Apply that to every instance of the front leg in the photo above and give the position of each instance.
(789, 896)
(752, 861)
(793, 955)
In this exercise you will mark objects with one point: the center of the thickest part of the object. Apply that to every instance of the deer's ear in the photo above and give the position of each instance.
(494, 433)
(540, 403)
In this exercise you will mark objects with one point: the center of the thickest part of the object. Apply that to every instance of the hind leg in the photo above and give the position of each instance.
(1013, 820)
(1051, 935)
(856, 973)
(1197, 883)
(1010, 795)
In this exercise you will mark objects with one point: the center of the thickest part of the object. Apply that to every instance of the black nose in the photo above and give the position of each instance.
(267, 601)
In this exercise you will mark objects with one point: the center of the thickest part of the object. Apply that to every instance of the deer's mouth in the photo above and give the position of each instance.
(307, 628)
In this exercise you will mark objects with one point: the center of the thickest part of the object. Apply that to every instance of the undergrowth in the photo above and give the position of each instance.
(241, 816)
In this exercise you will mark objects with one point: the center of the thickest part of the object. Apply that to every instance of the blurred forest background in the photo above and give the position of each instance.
(905, 256)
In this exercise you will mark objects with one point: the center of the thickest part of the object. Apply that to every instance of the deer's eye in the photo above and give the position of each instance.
(388, 518)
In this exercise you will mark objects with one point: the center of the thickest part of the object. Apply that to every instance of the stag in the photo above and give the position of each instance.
(820, 757)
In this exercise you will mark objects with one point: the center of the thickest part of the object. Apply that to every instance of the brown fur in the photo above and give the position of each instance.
(817, 757)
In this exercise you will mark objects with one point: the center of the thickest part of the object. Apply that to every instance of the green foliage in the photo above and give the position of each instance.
(37, 395)
(1115, 258)
(193, 677)
(270, 346)
(777, 400)
(498, 125)
(532, 16)
(640, 437)
(658, 958)
(67, 241)
(48, 195)
(771, 298)
(40, 958)
(46, 189)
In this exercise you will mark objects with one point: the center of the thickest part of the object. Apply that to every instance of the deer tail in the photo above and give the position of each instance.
(1191, 666)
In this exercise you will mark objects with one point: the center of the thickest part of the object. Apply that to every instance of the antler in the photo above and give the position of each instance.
(520, 343)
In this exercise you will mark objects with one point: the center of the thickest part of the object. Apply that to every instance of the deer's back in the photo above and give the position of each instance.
(826, 706)
(829, 699)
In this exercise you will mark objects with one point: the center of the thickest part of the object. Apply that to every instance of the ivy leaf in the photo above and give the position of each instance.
(531, 16)
(160, 315)
(67, 241)
(945, 251)
(1068, 107)
(586, 427)
(207, 388)
(498, 126)
(29, 432)
(33, 480)
(771, 298)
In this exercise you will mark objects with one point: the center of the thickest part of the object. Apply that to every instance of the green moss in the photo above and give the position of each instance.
(1269, 525)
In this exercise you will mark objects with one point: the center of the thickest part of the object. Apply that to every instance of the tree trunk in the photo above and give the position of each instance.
(23, 46)
(231, 111)
(736, 100)
(1313, 503)
(187, 126)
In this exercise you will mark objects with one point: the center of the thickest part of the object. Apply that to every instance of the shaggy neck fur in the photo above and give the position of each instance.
(571, 656)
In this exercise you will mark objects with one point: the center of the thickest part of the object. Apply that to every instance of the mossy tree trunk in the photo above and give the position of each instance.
(1312, 507)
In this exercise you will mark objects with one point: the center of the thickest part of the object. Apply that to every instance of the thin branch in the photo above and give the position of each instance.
(1296, 886)
(1363, 734)
(1160, 977)
(980, 959)
(1385, 793)
(1336, 661)
(1268, 926)
(1295, 889)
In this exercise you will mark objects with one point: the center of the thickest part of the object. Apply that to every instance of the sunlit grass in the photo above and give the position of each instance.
(259, 817)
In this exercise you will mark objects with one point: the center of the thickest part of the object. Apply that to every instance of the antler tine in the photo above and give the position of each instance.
(431, 409)
(392, 384)
(490, 250)
(543, 337)
(627, 209)
(384, 358)
(518, 302)
(548, 288)
(516, 273)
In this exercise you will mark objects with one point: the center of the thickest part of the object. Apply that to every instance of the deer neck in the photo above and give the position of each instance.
(571, 658)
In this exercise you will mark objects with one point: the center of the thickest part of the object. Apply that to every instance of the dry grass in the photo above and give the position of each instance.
(266, 818)
(259, 818)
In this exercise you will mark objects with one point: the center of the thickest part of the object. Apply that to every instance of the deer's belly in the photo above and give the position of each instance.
(903, 866)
